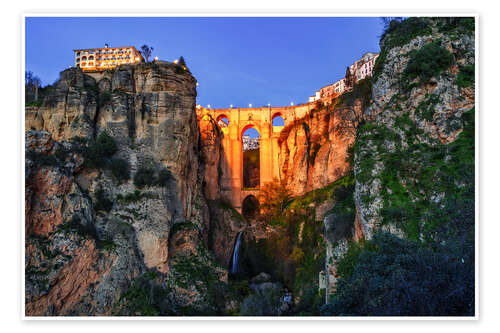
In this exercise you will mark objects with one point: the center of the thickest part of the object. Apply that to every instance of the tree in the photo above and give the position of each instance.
(274, 197)
(349, 79)
(32, 83)
(146, 51)
(182, 62)
(37, 82)
(399, 277)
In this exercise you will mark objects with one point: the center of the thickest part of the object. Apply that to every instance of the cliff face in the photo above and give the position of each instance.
(414, 153)
(314, 150)
(93, 234)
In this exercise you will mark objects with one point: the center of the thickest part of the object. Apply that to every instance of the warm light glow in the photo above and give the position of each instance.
(197, 84)
(268, 104)
(208, 106)
(176, 61)
(231, 106)
(156, 58)
(105, 62)
(250, 105)
(291, 104)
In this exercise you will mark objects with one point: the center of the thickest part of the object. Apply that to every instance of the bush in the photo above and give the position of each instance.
(401, 32)
(164, 176)
(429, 61)
(105, 144)
(466, 76)
(399, 277)
(144, 177)
(120, 169)
(131, 196)
(104, 98)
(264, 303)
(97, 153)
(103, 203)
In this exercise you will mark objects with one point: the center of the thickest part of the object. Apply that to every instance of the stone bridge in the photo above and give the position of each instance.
(239, 120)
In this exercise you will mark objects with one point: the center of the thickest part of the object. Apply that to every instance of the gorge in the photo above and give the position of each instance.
(134, 196)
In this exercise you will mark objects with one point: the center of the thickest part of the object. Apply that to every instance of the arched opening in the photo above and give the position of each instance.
(251, 157)
(278, 120)
(223, 121)
(250, 207)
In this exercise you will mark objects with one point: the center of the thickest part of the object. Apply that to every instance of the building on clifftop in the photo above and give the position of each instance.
(100, 59)
(359, 70)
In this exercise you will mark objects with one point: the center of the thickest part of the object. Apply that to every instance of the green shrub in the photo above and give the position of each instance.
(41, 159)
(144, 177)
(459, 24)
(104, 98)
(164, 177)
(105, 144)
(402, 32)
(120, 169)
(103, 203)
(399, 277)
(466, 76)
(139, 298)
(429, 61)
(131, 196)
(97, 153)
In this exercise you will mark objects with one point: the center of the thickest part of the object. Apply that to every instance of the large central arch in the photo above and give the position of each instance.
(238, 120)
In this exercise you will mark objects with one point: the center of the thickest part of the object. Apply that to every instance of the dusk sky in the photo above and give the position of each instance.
(235, 60)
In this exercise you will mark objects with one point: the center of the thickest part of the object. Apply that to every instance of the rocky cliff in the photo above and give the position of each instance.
(114, 197)
(314, 151)
(413, 163)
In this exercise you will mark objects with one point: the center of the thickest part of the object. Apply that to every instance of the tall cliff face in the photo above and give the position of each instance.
(414, 153)
(93, 234)
(314, 151)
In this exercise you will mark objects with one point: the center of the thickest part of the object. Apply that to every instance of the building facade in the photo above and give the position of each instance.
(360, 69)
(95, 60)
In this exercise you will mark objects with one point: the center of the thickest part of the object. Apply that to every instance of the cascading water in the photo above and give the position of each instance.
(236, 252)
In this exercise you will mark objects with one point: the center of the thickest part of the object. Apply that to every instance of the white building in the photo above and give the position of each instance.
(360, 69)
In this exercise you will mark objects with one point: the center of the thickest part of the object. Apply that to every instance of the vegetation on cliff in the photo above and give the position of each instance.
(415, 179)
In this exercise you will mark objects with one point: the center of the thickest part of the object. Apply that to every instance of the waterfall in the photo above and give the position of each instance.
(236, 253)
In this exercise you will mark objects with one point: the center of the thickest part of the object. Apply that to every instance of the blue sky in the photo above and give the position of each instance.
(235, 60)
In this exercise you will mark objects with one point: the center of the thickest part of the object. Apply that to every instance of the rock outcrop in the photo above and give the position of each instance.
(91, 231)
(314, 150)
(414, 155)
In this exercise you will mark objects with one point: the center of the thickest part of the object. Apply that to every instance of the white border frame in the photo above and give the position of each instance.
(264, 13)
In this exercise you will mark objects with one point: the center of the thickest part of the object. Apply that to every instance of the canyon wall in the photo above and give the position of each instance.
(414, 152)
(314, 150)
(95, 230)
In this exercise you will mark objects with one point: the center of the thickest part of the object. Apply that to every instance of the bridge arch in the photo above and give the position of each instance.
(222, 119)
(238, 121)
